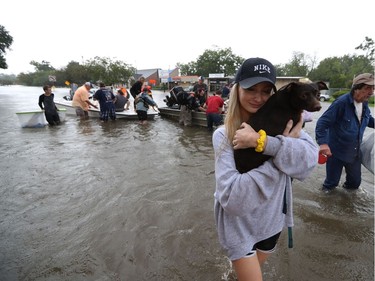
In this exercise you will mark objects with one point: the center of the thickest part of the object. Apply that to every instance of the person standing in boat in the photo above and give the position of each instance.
(81, 100)
(47, 104)
(137, 87)
(106, 100)
(200, 86)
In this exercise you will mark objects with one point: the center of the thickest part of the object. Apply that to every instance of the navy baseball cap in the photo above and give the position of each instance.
(255, 70)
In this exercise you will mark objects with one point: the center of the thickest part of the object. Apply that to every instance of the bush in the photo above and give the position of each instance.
(337, 94)
(371, 100)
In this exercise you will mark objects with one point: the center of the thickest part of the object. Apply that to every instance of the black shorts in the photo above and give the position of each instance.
(142, 115)
(266, 245)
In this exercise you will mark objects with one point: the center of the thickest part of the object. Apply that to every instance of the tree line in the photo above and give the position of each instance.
(338, 71)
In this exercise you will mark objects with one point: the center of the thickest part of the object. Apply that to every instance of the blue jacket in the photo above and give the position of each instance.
(340, 129)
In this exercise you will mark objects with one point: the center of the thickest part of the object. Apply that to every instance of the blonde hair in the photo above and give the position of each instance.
(232, 121)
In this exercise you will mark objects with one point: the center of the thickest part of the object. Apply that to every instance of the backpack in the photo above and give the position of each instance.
(138, 99)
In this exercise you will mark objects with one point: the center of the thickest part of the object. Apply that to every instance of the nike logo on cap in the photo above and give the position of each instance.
(262, 68)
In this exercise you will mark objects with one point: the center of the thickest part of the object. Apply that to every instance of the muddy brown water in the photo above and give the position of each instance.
(120, 201)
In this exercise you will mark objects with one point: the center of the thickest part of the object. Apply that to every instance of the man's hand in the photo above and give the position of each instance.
(324, 149)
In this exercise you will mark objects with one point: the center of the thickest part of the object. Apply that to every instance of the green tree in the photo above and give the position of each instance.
(7, 79)
(340, 71)
(41, 75)
(108, 71)
(187, 69)
(299, 65)
(5, 42)
(213, 61)
(368, 46)
(74, 72)
(43, 66)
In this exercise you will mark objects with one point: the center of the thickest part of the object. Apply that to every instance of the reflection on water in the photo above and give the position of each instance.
(89, 200)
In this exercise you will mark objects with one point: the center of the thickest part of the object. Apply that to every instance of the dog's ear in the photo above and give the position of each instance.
(288, 87)
(321, 85)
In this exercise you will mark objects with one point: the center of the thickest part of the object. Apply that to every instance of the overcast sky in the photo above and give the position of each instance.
(159, 34)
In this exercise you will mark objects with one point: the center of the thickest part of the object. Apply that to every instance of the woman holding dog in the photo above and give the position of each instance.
(252, 208)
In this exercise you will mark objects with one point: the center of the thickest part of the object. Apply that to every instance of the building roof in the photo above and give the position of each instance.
(147, 72)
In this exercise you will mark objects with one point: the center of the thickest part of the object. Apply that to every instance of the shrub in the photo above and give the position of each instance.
(335, 95)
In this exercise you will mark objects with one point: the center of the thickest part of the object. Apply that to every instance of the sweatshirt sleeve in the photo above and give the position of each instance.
(295, 157)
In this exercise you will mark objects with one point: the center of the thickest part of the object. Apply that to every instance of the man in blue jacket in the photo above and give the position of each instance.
(339, 132)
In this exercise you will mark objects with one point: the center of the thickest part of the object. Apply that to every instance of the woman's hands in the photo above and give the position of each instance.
(245, 137)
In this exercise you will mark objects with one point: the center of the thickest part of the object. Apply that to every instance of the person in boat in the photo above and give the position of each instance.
(137, 87)
(149, 92)
(142, 102)
(252, 208)
(47, 104)
(188, 102)
(106, 100)
(81, 101)
(200, 86)
(122, 99)
(73, 89)
(201, 98)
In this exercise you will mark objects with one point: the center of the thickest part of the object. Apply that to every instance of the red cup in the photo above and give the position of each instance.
(322, 158)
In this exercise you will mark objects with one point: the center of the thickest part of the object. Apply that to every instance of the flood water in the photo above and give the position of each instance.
(120, 201)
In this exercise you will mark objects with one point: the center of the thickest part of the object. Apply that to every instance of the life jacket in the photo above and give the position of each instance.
(139, 98)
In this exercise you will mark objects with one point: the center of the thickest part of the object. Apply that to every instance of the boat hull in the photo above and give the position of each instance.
(93, 112)
(36, 119)
(198, 118)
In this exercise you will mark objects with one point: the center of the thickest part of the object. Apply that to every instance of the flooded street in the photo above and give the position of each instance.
(119, 201)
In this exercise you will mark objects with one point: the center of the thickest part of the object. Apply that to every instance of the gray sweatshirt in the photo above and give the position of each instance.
(249, 206)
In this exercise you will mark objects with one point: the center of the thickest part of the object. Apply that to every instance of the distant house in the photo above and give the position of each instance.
(151, 76)
(157, 76)
(167, 77)
(283, 80)
(185, 81)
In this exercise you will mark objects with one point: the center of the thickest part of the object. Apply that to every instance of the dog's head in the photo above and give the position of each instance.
(304, 96)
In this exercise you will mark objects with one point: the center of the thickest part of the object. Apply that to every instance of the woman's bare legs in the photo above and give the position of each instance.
(249, 268)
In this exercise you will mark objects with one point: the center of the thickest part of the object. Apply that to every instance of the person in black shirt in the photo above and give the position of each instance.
(137, 87)
(47, 104)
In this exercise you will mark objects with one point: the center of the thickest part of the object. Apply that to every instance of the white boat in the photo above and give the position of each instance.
(367, 150)
(36, 119)
(93, 112)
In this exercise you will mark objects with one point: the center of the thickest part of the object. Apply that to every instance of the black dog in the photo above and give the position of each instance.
(288, 103)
